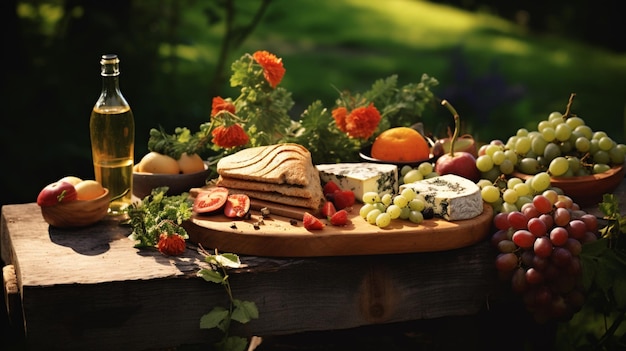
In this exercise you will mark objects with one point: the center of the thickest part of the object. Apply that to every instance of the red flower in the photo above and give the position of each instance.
(171, 245)
(220, 104)
(339, 114)
(230, 136)
(273, 69)
(362, 122)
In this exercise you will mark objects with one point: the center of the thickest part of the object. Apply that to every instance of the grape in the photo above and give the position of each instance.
(541, 181)
(558, 166)
(576, 229)
(386, 199)
(484, 163)
(383, 220)
(507, 167)
(534, 276)
(548, 134)
(498, 157)
(528, 165)
(510, 196)
(551, 152)
(537, 227)
(408, 194)
(372, 215)
(394, 211)
(506, 262)
(561, 217)
(412, 176)
(490, 193)
(600, 168)
(523, 238)
(501, 221)
(559, 236)
(416, 217)
(425, 168)
(542, 247)
(405, 169)
(417, 204)
(522, 145)
(371, 197)
(582, 144)
(365, 209)
(400, 201)
(562, 131)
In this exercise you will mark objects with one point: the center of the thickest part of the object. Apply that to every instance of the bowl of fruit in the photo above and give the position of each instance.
(583, 163)
(156, 170)
(72, 202)
(401, 146)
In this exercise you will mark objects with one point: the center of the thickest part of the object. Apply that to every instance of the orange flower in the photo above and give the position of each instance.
(230, 136)
(339, 114)
(273, 69)
(220, 104)
(171, 245)
(362, 122)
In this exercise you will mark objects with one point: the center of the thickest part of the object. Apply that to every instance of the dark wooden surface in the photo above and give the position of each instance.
(91, 289)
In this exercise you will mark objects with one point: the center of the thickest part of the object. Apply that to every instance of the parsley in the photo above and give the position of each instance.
(158, 213)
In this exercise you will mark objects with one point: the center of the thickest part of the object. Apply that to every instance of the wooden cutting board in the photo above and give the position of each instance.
(281, 236)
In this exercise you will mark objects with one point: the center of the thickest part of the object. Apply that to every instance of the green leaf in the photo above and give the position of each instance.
(211, 276)
(228, 260)
(214, 319)
(619, 291)
(244, 311)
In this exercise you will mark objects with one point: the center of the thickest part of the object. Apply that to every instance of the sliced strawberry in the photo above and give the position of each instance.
(331, 187)
(311, 222)
(328, 209)
(343, 199)
(339, 218)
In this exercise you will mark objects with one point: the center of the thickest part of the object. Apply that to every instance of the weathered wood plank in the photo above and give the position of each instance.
(91, 289)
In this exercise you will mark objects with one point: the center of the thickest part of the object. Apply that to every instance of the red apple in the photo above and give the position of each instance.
(57, 192)
(464, 143)
(460, 163)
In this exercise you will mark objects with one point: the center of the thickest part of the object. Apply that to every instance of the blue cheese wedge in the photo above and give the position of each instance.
(361, 177)
(452, 197)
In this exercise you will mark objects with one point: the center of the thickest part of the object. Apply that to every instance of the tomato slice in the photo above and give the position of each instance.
(237, 205)
(210, 200)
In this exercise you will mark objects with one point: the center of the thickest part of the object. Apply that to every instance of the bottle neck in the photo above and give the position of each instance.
(110, 72)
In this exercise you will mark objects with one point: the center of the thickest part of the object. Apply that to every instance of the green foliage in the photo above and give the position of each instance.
(600, 324)
(158, 213)
(239, 311)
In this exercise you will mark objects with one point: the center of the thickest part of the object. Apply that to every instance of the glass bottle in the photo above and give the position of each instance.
(112, 132)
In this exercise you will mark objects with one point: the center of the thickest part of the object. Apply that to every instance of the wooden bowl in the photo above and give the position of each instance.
(143, 183)
(586, 190)
(78, 213)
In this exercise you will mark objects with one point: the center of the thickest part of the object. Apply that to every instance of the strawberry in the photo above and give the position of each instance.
(328, 209)
(331, 188)
(311, 222)
(343, 199)
(339, 218)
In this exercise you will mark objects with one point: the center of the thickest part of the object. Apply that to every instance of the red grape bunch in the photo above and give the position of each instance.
(538, 253)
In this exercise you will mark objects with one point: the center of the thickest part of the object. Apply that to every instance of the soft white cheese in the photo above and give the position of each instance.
(452, 197)
(361, 177)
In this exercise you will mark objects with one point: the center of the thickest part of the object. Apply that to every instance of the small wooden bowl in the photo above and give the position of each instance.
(586, 190)
(78, 213)
(143, 183)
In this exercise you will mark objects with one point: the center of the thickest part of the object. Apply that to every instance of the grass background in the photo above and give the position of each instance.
(500, 76)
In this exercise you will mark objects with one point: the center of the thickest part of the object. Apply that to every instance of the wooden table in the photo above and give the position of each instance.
(91, 289)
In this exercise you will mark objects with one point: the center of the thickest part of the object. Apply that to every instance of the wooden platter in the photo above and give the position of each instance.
(281, 236)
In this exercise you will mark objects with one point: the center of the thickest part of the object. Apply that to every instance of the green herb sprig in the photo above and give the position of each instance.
(158, 213)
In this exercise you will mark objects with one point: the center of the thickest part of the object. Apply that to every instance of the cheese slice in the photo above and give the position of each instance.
(452, 197)
(361, 177)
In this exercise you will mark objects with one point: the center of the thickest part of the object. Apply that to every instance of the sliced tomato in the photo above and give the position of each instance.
(237, 205)
(210, 200)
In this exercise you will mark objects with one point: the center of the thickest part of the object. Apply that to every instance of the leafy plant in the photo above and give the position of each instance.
(238, 310)
(600, 324)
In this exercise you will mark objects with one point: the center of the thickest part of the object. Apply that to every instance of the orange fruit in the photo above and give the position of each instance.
(400, 144)
(88, 189)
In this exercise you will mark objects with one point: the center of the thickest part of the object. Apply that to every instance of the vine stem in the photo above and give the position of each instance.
(457, 123)
(568, 110)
